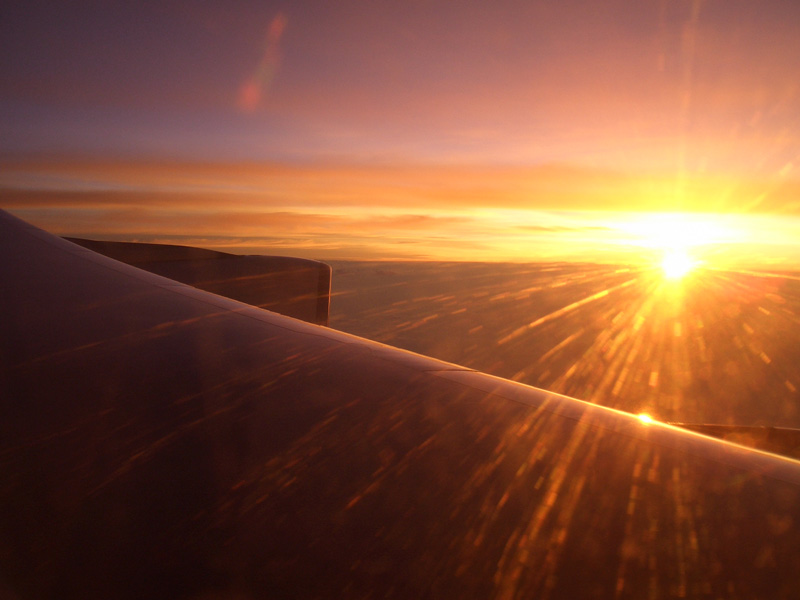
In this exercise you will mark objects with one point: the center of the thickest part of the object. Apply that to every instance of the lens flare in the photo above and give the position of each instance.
(252, 91)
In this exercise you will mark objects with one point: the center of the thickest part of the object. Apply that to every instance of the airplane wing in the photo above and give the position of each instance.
(158, 441)
(294, 287)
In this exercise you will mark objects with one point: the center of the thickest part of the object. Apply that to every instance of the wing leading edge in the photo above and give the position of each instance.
(157, 440)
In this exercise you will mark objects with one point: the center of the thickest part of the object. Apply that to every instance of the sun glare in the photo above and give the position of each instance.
(676, 264)
(675, 230)
(679, 241)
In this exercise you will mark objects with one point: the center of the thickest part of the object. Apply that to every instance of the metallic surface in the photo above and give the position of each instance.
(160, 441)
(295, 287)
(780, 440)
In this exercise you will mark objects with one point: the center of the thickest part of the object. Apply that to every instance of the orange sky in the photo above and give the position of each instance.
(516, 130)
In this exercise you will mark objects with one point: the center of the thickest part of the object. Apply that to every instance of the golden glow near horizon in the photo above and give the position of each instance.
(676, 264)
(677, 230)
(680, 242)
(333, 212)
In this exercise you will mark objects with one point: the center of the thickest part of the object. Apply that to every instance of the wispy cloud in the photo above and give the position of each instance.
(454, 212)
(401, 186)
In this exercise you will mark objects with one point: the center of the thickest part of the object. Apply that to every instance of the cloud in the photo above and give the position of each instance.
(418, 189)
(560, 228)
(447, 212)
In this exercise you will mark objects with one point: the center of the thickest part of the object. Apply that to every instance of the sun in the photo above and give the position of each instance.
(676, 264)
(677, 242)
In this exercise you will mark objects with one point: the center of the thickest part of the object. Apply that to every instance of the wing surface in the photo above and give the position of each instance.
(295, 287)
(160, 441)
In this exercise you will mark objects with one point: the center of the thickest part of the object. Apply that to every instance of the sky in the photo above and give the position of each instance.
(569, 130)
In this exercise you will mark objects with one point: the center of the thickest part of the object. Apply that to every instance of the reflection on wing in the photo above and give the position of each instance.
(160, 441)
(780, 440)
